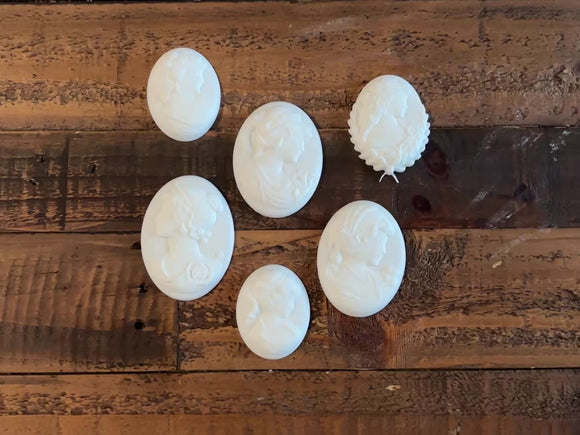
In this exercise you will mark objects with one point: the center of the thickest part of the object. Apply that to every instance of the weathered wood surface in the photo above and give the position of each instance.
(85, 67)
(440, 402)
(470, 298)
(78, 304)
(494, 285)
(33, 170)
(467, 178)
(187, 424)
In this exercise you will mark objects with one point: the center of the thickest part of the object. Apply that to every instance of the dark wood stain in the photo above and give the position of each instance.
(421, 204)
(467, 178)
(362, 340)
(436, 161)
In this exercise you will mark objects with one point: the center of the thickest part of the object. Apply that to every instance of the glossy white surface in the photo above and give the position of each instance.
(273, 312)
(187, 237)
(183, 94)
(277, 159)
(361, 258)
(389, 126)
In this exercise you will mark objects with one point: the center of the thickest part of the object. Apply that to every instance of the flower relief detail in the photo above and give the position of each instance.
(277, 143)
(186, 219)
(357, 253)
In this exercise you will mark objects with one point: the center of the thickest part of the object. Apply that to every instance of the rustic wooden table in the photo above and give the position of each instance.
(483, 337)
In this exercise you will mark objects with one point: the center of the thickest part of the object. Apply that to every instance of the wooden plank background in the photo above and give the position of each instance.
(475, 63)
(440, 402)
(468, 178)
(482, 338)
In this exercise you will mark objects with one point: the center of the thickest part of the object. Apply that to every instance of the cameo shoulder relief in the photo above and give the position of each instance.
(277, 159)
(187, 238)
(273, 311)
(361, 258)
(183, 94)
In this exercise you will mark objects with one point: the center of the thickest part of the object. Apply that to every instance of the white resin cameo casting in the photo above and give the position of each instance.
(388, 125)
(183, 94)
(187, 238)
(277, 159)
(361, 258)
(273, 312)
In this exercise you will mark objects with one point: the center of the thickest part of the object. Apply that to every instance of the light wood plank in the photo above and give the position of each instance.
(440, 402)
(471, 298)
(85, 67)
(81, 303)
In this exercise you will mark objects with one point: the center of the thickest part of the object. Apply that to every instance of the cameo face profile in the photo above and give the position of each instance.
(389, 126)
(187, 238)
(277, 159)
(183, 94)
(273, 311)
(361, 258)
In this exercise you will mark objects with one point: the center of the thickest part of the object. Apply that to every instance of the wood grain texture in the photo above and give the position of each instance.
(154, 424)
(33, 174)
(490, 283)
(486, 298)
(470, 298)
(85, 67)
(467, 178)
(77, 303)
(442, 402)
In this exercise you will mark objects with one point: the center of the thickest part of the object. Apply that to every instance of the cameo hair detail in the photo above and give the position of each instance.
(187, 237)
(277, 159)
(361, 258)
(388, 125)
(364, 235)
(273, 311)
(183, 73)
(183, 94)
(277, 132)
(180, 213)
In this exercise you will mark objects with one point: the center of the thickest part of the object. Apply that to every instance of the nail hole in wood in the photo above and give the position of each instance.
(138, 324)
(136, 245)
(436, 161)
(142, 288)
(93, 167)
(421, 204)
